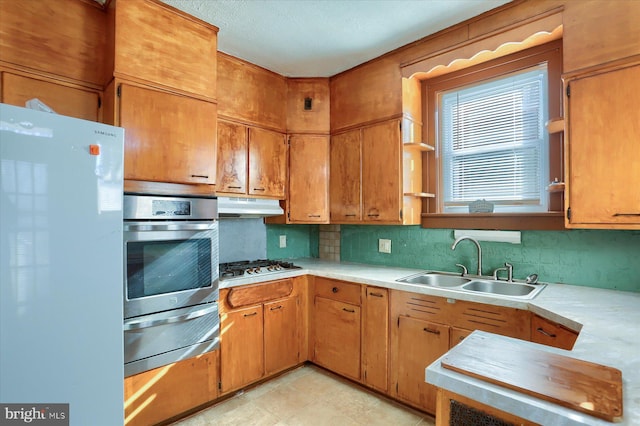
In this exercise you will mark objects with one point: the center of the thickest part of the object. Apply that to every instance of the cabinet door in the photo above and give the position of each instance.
(281, 334)
(457, 335)
(309, 179)
(381, 174)
(232, 158)
(164, 392)
(267, 163)
(241, 347)
(419, 343)
(375, 338)
(550, 333)
(337, 337)
(17, 89)
(168, 138)
(604, 142)
(345, 177)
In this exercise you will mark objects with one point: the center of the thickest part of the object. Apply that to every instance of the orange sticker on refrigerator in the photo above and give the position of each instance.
(94, 149)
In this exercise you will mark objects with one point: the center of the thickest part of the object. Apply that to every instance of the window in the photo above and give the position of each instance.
(493, 143)
(487, 124)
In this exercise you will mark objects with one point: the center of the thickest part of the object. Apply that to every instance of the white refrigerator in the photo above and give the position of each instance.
(61, 256)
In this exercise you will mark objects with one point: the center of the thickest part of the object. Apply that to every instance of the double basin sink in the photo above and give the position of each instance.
(472, 284)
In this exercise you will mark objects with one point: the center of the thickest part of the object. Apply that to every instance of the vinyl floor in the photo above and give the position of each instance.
(305, 396)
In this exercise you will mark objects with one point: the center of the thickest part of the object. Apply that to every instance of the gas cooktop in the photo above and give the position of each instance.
(253, 267)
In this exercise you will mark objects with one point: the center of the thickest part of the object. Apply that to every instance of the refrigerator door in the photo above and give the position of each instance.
(61, 264)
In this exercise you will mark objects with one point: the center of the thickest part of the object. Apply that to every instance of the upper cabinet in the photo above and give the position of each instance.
(251, 161)
(619, 38)
(168, 137)
(308, 200)
(164, 47)
(65, 99)
(603, 143)
(163, 93)
(250, 94)
(369, 176)
(308, 105)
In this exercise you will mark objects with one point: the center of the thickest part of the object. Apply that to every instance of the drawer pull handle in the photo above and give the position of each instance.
(432, 331)
(276, 308)
(314, 215)
(258, 189)
(542, 331)
(200, 176)
(626, 214)
(334, 290)
(234, 187)
(375, 294)
(461, 338)
(373, 215)
(251, 314)
(349, 215)
(348, 310)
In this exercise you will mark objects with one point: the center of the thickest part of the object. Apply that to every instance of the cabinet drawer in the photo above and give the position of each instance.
(495, 319)
(419, 306)
(551, 334)
(258, 293)
(338, 290)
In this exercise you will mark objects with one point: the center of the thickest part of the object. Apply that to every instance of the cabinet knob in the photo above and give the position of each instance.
(335, 289)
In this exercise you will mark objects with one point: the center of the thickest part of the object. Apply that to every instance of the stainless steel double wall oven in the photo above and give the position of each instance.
(170, 280)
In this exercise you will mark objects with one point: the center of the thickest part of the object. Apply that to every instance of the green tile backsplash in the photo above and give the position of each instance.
(594, 258)
(302, 241)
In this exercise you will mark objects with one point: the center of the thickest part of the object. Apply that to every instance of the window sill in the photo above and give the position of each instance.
(552, 221)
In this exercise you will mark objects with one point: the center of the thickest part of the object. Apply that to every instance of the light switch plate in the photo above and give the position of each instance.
(283, 241)
(384, 246)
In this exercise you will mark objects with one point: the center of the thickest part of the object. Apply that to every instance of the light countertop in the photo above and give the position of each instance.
(608, 322)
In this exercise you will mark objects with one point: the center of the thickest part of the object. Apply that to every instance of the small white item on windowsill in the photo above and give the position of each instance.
(555, 186)
(38, 105)
(481, 206)
(513, 237)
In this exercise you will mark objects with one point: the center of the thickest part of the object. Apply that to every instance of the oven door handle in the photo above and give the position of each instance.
(138, 324)
(168, 227)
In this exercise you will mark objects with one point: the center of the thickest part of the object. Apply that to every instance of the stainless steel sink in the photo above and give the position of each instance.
(499, 287)
(435, 279)
(474, 284)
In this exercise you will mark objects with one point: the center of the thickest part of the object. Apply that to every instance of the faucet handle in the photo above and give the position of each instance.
(464, 269)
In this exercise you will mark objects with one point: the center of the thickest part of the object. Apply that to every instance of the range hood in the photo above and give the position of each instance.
(248, 207)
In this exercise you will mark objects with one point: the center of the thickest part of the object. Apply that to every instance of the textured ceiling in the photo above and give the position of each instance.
(321, 38)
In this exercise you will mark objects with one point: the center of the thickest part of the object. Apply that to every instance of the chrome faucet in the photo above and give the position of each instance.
(453, 247)
(507, 267)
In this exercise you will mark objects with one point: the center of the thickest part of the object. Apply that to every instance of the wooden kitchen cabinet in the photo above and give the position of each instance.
(168, 138)
(381, 174)
(336, 324)
(165, 392)
(337, 336)
(345, 177)
(603, 142)
(66, 100)
(551, 333)
(241, 347)
(232, 158)
(281, 335)
(252, 162)
(163, 46)
(308, 200)
(375, 338)
(262, 331)
(366, 180)
(417, 343)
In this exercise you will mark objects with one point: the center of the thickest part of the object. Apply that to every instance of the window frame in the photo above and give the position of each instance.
(551, 53)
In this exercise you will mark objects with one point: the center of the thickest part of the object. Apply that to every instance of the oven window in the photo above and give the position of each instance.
(160, 267)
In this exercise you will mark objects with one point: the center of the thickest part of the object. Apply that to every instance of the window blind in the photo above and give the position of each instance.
(493, 143)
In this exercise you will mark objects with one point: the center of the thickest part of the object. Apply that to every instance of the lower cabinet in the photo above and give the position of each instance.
(165, 392)
(241, 347)
(375, 338)
(417, 344)
(550, 333)
(337, 336)
(261, 332)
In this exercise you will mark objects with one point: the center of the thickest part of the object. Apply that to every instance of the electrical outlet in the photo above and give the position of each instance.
(283, 241)
(384, 246)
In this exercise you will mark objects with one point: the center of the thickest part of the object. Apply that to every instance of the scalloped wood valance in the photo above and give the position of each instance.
(532, 32)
